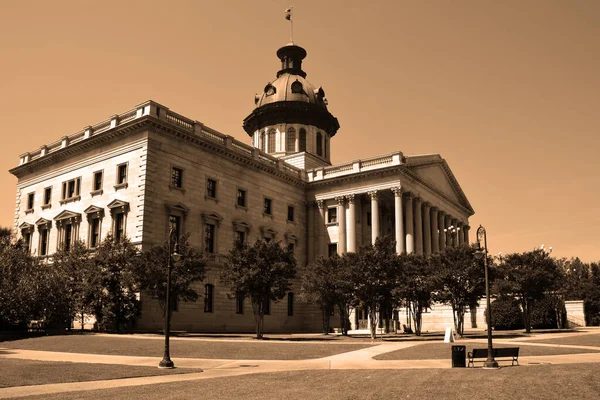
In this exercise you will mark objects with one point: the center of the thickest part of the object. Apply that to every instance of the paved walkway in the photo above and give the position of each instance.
(213, 368)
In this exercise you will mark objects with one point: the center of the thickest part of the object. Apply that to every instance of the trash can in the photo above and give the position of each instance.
(459, 356)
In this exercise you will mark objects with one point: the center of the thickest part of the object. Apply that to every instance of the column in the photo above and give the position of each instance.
(408, 222)
(341, 215)
(418, 226)
(398, 219)
(461, 236)
(455, 233)
(374, 216)
(466, 233)
(435, 241)
(351, 223)
(442, 227)
(426, 229)
(448, 231)
(321, 230)
(310, 209)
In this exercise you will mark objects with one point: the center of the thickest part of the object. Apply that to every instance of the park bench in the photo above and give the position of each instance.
(501, 352)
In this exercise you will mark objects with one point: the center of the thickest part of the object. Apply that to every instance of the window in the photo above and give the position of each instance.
(241, 198)
(97, 184)
(319, 144)
(368, 219)
(272, 139)
(268, 203)
(332, 215)
(291, 247)
(43, 241)
(122, 174)
(47, 196)
(267, 305)
(332, 249)
(208, 297)
(26, 239)
(94, 232)
(296, 87)
(326, 147)
(70, 189)
(177, 177)
(209, 238)
(290, 140)
(68, 237)
(302, 140)
(175, 224)
(211, 188)
(239, 304)
(240, 236)
(290, 216)
(119, 228)
(290, 304)
(30, 199)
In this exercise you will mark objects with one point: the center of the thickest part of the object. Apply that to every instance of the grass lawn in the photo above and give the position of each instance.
(190, 348)
(29, 372)
(578, 381)
(439, 351)
(579, 340)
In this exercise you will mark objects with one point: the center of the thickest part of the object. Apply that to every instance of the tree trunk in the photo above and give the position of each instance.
(417, 316)
(374, 321)
(258, 311)
(326, 319)
(454, 317)
(82, 320)
(527, 315)
(344, 319)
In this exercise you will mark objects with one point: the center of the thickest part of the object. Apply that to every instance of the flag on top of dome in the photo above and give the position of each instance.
(288, 14)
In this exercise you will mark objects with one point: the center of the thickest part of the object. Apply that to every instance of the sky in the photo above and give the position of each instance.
(507, 92)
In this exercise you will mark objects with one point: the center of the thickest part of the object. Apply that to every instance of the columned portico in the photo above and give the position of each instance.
(408, 222)
(418, 226)
(310, 208)
(398, 216)
(341, 215)
(426, 228)
(351, 223)
(374, 215)
(442, 230)
(435, 235)
(321, 230)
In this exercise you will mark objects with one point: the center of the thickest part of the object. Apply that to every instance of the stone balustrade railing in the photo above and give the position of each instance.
(352, 167)
(163, 113)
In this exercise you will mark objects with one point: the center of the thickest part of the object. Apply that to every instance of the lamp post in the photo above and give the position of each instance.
(166, 361)
(482, 252)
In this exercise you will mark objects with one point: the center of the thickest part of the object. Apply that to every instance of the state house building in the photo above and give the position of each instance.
(141, 171)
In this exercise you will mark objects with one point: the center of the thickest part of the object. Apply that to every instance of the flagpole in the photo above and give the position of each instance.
(292, 25)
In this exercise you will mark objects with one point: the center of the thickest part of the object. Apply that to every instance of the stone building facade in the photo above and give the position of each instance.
(149, 168)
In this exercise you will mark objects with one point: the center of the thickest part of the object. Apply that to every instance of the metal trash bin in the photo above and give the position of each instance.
(459, 356)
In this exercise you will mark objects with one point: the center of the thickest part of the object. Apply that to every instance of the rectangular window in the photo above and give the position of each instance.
(177, 177)
(332, 215)
(239, 304)
(240, 236)
(30, 198)
(67, 237)
(267, 209)
(267, 306)
(332, 249)
(121, 174)
(43, 242)
(27, 239)
(97, 184)
(175, 224)
(211, 188)
(241, 198)
(368, 219)
(70, 189)
(208, 298)
(291, 247)
(209, 238)
(119, 226)
(290, 216)
(290, 304)
(47, 195)
(94, 233)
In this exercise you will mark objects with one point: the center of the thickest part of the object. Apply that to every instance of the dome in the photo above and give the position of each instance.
(291, 98)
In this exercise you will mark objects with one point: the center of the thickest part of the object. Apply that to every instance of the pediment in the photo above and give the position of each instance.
(241, 226)
(178, 207)
(94, 210)
(118, 205)
(67, 215)
(268, 232)
(26, 226)
(211, 218)
(43, 221)
(290, 237)
(436, 172)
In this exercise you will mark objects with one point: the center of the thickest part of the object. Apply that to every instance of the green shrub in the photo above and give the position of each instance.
(548, 313)
(506, 314)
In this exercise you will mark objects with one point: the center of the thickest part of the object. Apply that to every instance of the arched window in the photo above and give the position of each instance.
(326, 147)
(296, 87)
(272, 141)
(302, 140)
(319, 144)
(261, 144)
(290, 140)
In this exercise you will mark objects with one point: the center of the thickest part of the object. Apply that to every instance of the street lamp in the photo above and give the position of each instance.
(451, 234)
(482, 252)
(166, 361)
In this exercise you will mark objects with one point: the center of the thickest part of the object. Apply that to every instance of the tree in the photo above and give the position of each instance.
(582, 282)
(528, 276)
(460, 281)
(415, 286)
(80, 278)
(151, 271)
(326, 282)
(118, 305)
(262, 272)
(373, 271)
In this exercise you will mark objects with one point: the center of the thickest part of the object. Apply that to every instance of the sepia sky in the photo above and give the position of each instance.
(507, 92)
